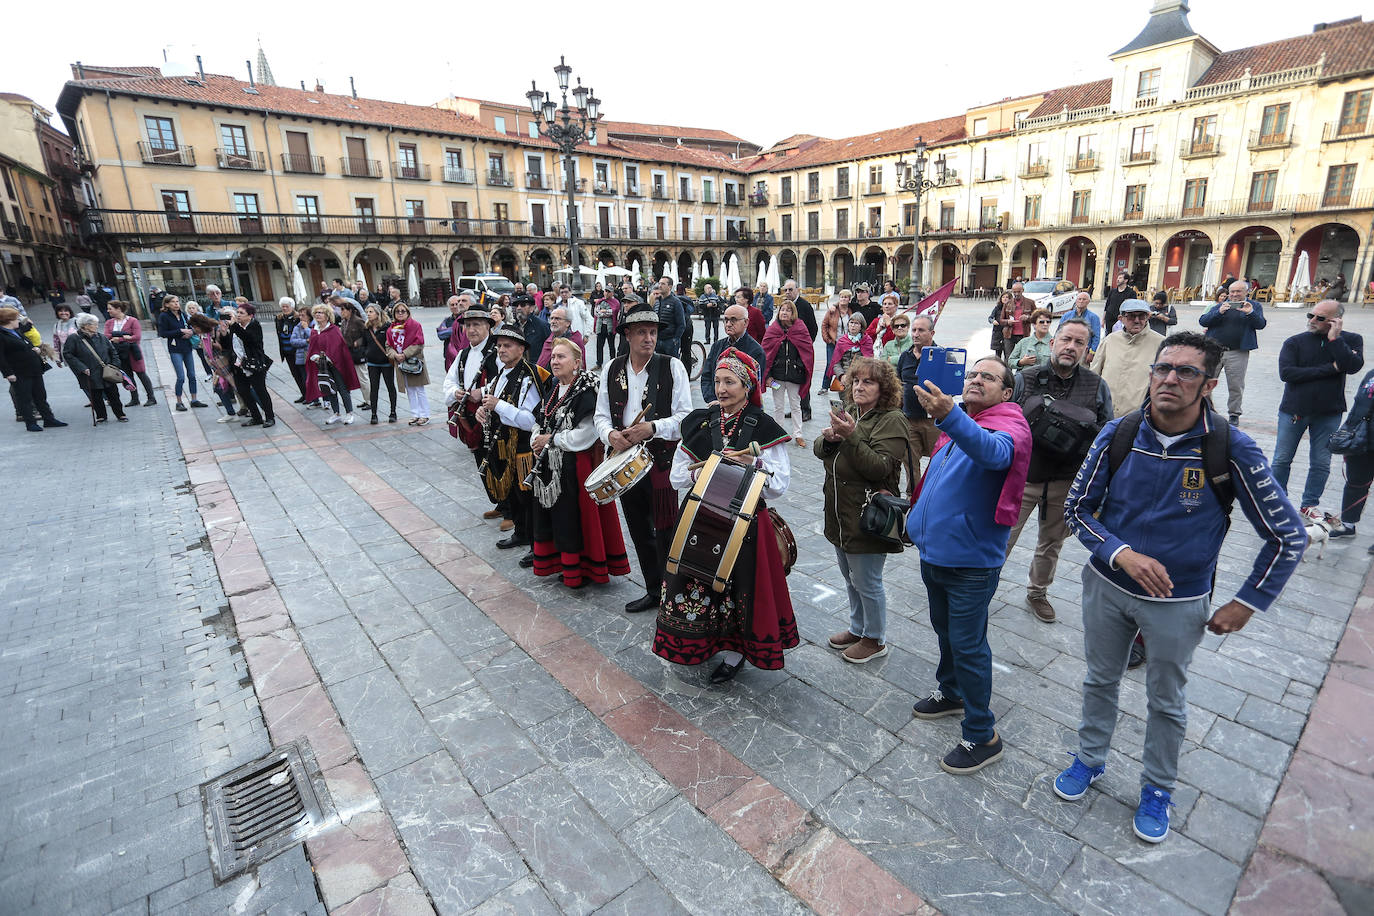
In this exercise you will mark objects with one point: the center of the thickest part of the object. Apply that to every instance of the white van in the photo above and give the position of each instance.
(488, 288)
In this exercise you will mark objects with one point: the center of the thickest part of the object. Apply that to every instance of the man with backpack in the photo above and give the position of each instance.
(1152, 504)
(1065, 404)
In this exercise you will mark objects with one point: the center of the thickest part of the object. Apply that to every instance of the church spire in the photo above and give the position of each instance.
(264, 70)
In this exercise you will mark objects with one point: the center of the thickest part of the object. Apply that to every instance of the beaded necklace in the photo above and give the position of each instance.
(727, 433)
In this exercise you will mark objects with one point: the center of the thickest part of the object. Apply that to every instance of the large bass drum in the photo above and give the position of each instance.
(715, 519)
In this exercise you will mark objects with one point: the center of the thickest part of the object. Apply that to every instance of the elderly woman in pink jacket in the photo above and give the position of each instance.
(789, 354)
(126, 333)
(852, 343)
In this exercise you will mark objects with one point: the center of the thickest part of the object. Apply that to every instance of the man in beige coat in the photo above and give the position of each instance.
(1124, 358)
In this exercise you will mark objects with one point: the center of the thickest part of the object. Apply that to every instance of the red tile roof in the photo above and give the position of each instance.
(1083, 95)
(1348, 49)
(125, 71)
(667, 130)
(878, 143)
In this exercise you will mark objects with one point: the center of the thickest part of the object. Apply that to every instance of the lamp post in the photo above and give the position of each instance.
(911, 177)
(567, 127)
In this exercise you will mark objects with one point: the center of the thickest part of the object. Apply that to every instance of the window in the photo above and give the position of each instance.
(1194, 196)
(708, 226)
(407, 161)
(1082, 206)
(875, 222)
(161, 134)
(308, 209)
(908, 215)
(177, 205)
(500, 124)
(813, 185)
(233, 139)
(987, 213)
(415, 208)
(1142, 143)
(787, 227)
(1274, 123)
(813, 226)
(875, 178)
(246, 205)
(842, 182)
(1135, 202)
(786, 183)
(459, 210)
(1354, 111)
(632, 179)
(708, 191)
(534, 130)
(980, 127)
(686, 229)
(841, 224)
(1204, 134)
(1262, 185)
(684, 187)
(501, 212)
(9, 184)
(947, 214)
(1035, 155)
(1147, 85)
(988, 167)
(366, 210)
(1031, 211)
(762, 226)
(1340, 181)
(1086, 155)
(453, 159)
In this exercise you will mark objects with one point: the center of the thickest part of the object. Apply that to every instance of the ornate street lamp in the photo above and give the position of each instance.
(568, 127)
(911, 177)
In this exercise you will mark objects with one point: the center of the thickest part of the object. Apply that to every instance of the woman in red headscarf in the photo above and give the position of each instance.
(752, 619)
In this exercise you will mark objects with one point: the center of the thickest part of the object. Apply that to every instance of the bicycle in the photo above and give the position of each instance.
(695, 359)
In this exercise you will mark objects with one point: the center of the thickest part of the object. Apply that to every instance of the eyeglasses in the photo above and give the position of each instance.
(729, 319)
(1313, 316)
(1185, 373)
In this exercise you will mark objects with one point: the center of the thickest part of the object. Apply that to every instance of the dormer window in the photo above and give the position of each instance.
(1147, 86)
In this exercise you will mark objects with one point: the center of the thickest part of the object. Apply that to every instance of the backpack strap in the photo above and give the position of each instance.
(1123, 438)
(1216, 454)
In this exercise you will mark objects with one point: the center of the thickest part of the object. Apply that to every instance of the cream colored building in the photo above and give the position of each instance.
(1254, 156)
(32, 238)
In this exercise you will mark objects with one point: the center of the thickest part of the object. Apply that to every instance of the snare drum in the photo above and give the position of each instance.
(618, 473)
(715, 519)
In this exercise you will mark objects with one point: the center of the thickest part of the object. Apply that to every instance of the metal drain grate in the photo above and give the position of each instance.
(263, 807)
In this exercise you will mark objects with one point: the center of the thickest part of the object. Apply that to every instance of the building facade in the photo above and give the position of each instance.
(1185, 164)
(37, 220)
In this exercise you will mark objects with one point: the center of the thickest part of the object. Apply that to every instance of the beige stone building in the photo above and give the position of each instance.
(1253, 156)
(33, 227)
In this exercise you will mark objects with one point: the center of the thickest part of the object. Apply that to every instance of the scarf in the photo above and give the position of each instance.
(1008, 418)
(561, 419)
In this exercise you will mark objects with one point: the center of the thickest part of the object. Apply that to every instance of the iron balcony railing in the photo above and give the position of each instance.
(1274, 140)
(658, 192)
(166, 155)
(203, 224)
(579, 185)
(250, 160)
(302, 163)
(603, 187)
(1336, 131)
(1199, 149)
(499, 179)
(410, 171)
(1086, 162)
(456, 175)
(1138, 156)
(360, 168)
(536, 181)
(758, 198)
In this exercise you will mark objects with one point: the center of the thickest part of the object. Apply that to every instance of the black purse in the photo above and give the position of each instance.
(1350, 440)
(884, 513)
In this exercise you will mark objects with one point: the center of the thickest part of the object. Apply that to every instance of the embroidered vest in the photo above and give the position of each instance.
(658, 392)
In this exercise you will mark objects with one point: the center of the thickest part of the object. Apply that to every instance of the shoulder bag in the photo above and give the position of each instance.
(412, 365)
(1350, 440)
(883, 515)
(110, 375)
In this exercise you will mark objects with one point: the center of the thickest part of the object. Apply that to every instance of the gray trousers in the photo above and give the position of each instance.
(1234, 363)
(1172, 630)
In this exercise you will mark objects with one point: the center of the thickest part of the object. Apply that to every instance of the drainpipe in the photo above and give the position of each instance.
(396, 211)
(276, 196)
(123, 172)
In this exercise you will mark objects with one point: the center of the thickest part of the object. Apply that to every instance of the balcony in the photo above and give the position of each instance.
(631, 189)
(813, 196)
(1130, 157)
(1203, 148)
(1037, 169)
(658, 192)
(1336, 200)
(1147, 101)
(987, 179)
(25, 233)
(1263, 141)
(603, 187)
(1086, 162)
(11, 229)
(360, 168)
(193, 226)
(1137, 213)
(535, 181)
(410, 171)
(249, 160)
(685, 195)
(758, 198)
(873, 190)
(1338, 131)
(785, 199)
(302, 163)
(579, 185)
(731, 198)
(456, 175)
(842, 192)
(162, 155)
(499, 179)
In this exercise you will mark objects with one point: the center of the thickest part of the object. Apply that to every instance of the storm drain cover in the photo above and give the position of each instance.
(263, 807)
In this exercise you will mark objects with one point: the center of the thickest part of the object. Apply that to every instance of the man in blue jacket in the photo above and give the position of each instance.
(965, 507)
(1154, 527)
(1313, 366)
(1233, 324)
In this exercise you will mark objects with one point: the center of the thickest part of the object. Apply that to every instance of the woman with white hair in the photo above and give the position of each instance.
(88, 352)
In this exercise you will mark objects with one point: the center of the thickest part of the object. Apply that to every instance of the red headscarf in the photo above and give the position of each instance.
(743, 366)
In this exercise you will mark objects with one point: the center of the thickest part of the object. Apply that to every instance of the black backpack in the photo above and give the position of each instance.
(1216, 454)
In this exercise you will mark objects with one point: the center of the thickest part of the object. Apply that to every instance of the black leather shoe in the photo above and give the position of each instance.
(647, 603)
(268, 423)
(527, 560)
(806, 416)
(725, 672)
(507, 543)
(254, 421)
(151, 402)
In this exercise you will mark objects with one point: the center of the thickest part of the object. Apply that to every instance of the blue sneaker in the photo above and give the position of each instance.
(1072, 784)
(1151, 822)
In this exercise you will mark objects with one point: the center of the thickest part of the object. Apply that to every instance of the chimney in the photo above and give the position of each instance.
(302, 85)
(319, 86)
(200, 67)
(80, 71)
(249, 65)
(352, 88)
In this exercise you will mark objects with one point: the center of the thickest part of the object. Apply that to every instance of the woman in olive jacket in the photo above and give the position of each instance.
(863, 451)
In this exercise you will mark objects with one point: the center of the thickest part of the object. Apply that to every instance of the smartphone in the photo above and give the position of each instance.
(944, 366)
(837, 404)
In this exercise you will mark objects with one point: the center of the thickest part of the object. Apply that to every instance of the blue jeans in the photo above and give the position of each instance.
(185, 366)
(1319, 430)
(863, 579)
(959, 598)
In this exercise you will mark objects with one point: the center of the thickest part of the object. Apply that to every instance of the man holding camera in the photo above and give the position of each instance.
(1065, 404)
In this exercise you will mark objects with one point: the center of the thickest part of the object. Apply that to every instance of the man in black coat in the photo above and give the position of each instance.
(1115, 296)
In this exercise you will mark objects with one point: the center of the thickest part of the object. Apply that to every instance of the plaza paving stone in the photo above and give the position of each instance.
(524, 749)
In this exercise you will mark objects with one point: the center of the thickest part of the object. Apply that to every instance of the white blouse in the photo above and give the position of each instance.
(775, 459)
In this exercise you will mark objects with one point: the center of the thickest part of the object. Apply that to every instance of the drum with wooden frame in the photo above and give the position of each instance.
(618, 473)
(715, 519)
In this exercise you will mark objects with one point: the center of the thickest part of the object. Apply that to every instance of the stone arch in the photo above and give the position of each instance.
(813, 269)
(842, 266)
(1076, 261)
(1184, 260)
(1331, 248)
(265, 274)
(1135, 251)
(1253, 252)
(505, 262)
(985, 266)
(319, 264)
(1026, 256)
(540, 267)
(787, 265)
(376, 264)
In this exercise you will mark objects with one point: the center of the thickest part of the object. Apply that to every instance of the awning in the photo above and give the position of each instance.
(181, 258)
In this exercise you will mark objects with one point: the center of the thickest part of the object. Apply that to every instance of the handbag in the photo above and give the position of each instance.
(252, 365)
(412, 365)
(1350, 440)
(110, 375)
(883, 515)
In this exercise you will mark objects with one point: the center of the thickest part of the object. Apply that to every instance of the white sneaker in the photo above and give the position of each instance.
(333, 418)
(1312, 513)
(348, 420)
(224, 419)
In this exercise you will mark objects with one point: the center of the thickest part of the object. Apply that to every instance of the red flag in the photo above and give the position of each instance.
(931, 306)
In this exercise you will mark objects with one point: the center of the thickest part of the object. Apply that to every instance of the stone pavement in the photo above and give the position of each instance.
(122, 684)
(499, 744)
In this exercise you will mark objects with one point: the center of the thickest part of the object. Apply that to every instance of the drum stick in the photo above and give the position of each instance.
(639, 418)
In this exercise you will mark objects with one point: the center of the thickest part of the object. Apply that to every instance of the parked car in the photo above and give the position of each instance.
(1051, 293)
(487, 287)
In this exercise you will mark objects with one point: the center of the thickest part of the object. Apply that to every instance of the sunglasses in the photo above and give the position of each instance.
(1313, 316)
(895, 325)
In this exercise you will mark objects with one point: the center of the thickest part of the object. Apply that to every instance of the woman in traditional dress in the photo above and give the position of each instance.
(752, 619)
(329, 371)
(572, 535)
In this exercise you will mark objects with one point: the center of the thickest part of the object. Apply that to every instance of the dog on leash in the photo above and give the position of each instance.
(1319, 532)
